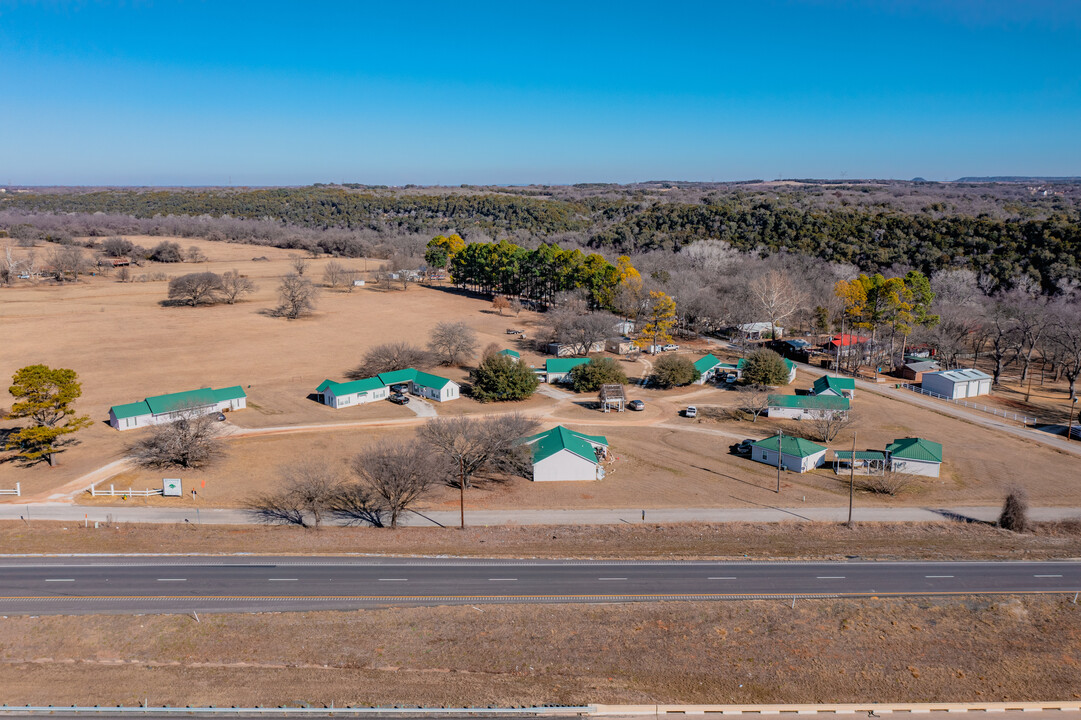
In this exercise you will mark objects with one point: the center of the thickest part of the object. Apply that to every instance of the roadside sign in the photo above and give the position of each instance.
(170, 487)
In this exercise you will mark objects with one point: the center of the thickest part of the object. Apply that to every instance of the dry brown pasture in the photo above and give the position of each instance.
(126, 346)
(893, 650)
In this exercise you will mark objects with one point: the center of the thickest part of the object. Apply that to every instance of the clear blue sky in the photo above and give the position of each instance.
(445, 93)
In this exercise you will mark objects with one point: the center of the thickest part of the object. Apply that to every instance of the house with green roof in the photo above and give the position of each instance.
(793, 453)
(707, 367)
(915, 456)
(167, 408)
(742, 362)
(805, 407)
(557, 370)
(347, 394)
(836, 386)
(426, 385)
(512, 354)
(561, 454)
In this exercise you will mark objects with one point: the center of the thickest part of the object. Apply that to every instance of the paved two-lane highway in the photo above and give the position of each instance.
(133, 584)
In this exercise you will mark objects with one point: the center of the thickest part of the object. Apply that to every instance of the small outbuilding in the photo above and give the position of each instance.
(707, 367)
(836, 386)
(957, 384)
(805, 407)
(621, 345)
(861, 462)
(560, 454)
(915, 456)
(512, 354)
(167, 408)
(570, 350)
(423, 384)
(759, 330)
(914, 370)
(796, 454)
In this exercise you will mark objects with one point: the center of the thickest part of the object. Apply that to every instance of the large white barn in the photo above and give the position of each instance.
(167, 408)
(957, 384)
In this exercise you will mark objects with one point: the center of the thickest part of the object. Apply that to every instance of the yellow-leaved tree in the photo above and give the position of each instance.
(660, 318)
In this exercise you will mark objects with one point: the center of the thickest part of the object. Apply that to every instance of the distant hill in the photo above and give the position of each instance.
(1072, 180)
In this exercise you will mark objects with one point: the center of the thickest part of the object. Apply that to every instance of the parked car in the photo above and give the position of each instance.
(730, 378)
(690, 412)
(399, 389)
(221, 417)
(669, 347)
(744, 448)
(636, 405)
(399, 399)
(512, 331)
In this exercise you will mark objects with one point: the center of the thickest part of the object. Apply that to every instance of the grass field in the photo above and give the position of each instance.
(126, 346)
(734, 541)
(892, 650)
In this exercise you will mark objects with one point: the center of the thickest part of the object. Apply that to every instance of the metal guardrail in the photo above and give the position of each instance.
(998, 412)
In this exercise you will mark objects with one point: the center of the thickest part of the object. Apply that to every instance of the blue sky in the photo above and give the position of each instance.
(265, 93)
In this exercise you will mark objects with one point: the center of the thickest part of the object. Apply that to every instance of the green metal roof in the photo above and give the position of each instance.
(430, 381)
(562, 365)
(860, 455)
(349, 388)
(791, 445)
(130, 410)
(559, 438)
(837, 384)
(915, 449)
(706, 363)
(512, 353)
(809, 402)
(160, 404)
(398, 376)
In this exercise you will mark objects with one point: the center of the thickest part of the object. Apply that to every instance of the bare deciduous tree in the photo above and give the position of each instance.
(196, 254)
(69, 261)
(335, 274)
(888, 482)
(307, 493)
(299, 264)
(203, 288)
(828, 424)
(452, 342)
(234, 285)
(515, 306)
(399, 474)
(117, 247)
(390, 357)
(776, 297)
(571, 325)
(470, 445)
(754, 399)
(296, 297)
(1066, 338)
(190, 441)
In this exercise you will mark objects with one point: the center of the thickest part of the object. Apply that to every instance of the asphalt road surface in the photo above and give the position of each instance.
(117, 584)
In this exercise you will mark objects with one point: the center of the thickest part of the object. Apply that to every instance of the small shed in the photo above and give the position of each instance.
(804, 407)
(796, 454)
(512, 354)
(957, 384)
(914, 369)
(620, 345)
(759, 330)
(915, 456)
(836, 386)
(560, 454)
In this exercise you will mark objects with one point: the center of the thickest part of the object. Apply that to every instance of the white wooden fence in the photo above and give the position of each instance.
(1005, 414)
(112, 492)
(16, 491)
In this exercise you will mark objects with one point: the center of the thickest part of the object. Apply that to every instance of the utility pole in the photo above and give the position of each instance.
(1069, 430)
(780, 440)
(461, 488)
(851, 479)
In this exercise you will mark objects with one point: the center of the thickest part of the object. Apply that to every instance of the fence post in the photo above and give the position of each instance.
(112, 491)
(18, 490)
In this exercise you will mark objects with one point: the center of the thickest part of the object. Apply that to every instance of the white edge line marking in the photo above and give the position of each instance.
(720, 578)
(502, 579)
(1046, 576)
(172, 579)
(938, 576)
(59, 579)
(393, 579)
(611, 578)
(829, 577)
(281, 580)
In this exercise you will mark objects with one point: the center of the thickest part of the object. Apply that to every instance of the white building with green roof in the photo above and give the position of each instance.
(558, 370)
(836, 386)
(805, 407)
(915, 456)
(560, 454)
(707, 367)
(167, 408)
(348, 394)
(796, 453)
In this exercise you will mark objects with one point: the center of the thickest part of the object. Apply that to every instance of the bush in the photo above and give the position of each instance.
(589, 376)
(1014, 515)
(888, 483)
(203, 288)
(765, 367)
(117, 247)
(167, 252)
(673, 370)
(500, 377)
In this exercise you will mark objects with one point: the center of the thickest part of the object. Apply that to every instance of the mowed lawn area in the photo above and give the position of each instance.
(126, 346)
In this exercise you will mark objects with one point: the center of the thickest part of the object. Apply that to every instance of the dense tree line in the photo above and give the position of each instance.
(872, 237)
